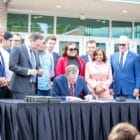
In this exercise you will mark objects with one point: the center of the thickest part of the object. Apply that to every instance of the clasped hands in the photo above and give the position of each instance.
(34, 72)
(4, 82)
(98, 89)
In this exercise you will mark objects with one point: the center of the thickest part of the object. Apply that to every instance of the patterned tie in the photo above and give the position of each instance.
(71, 90)
(33, 62)
(121, 60)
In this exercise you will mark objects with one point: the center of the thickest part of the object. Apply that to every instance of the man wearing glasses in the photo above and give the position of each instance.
(125, 68)
(15, 41)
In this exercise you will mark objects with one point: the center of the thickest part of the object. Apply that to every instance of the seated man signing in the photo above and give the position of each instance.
(70, 84)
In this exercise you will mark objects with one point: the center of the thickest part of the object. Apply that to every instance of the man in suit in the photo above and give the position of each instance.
(24, 63)
(125, 67)
(90, 48)
(50, 42)
(70, 84)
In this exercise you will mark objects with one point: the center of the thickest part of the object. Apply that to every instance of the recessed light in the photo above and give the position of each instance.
(58, 6)
(124, 11)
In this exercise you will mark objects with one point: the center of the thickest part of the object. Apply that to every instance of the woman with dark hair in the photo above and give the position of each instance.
(98, 74)
(70, 56)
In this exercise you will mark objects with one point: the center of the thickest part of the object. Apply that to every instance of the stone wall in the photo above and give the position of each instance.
(3, 14)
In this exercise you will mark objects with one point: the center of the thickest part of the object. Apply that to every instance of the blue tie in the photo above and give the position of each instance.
(2, 66)
(121, 60)
(33, 62)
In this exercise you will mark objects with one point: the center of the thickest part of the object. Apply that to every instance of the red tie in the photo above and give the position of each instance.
(71, 90)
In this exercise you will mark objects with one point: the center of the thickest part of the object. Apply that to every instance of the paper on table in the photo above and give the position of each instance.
(72, 98)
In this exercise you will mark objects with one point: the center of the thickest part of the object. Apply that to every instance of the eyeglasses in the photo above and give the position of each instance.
(17, 40)
(122, 44)
(44, 43)
(72, 49)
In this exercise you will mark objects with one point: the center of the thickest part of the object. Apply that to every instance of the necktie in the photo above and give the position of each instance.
(33, 62)
(71, 90)
(121, 60)
(2, 66)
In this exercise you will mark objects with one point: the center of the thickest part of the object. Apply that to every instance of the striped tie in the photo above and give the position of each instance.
(121, 60)
(33, 78)
(71, 90)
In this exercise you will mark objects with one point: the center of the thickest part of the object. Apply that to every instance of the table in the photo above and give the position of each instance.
(64, 121)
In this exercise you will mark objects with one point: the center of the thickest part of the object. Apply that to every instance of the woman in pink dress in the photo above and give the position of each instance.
(98, 75)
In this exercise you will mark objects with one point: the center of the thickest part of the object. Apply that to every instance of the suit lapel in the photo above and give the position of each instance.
(77, 87)
(25, 51)
(117, 59)
(66, 87)
(127, 59)
(87, 58)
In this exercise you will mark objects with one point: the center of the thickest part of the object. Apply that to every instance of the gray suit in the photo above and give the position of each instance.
(20, 63)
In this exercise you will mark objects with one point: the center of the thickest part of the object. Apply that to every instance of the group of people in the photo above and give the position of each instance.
(34, 68)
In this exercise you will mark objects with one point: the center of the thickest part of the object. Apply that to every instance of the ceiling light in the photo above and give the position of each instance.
(124, 11)
(82, 17)
(58, 6)
(125, 1)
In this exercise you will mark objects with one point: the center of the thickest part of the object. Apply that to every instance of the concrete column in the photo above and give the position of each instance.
(3, 14)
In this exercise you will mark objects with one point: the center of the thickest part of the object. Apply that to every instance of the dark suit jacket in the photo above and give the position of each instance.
(55, 58)
(84, 58)
(20, 64)
(128, 77)
(61, 88)
(9, 50)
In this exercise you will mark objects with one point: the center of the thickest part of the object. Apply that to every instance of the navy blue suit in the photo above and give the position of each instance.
(61, 88)
(84, 58)
(127, 78)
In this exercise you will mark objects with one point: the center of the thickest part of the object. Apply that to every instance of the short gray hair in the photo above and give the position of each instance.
(123, 37)
(72, 70)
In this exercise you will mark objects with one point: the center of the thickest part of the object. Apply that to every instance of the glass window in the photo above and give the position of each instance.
(43, 24)
(138, 49)
(17, 22)
(102, 45)
(116, 47)
(121, 28)
(137, 29)
(88, 27)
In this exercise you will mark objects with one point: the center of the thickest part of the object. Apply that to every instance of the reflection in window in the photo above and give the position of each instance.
(43, 24)
(116, 47)
(138, 49)
(88, 27)
(137, 29)
(102, 45)
(121, 28)
(17, 22)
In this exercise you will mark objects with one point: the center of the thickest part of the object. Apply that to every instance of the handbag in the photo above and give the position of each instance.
(5, 93)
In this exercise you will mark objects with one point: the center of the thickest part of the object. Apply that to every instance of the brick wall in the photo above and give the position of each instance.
(3, 14)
